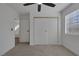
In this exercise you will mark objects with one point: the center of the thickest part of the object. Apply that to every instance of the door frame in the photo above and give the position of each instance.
(57, 26)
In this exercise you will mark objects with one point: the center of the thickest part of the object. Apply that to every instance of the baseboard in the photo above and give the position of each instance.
(70, 51)
(23, 42)
(8, 50)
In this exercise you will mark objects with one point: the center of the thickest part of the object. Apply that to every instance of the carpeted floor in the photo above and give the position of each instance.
(39, 50)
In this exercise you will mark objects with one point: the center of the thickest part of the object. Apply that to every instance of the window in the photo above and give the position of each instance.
(72, 23)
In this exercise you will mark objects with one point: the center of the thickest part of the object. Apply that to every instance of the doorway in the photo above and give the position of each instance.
(16, 31)
(45, 30)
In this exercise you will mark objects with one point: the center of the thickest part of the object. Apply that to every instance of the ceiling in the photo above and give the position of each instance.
(33, 8)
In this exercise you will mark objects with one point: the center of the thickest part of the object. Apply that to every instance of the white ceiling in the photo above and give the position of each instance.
(33, 8)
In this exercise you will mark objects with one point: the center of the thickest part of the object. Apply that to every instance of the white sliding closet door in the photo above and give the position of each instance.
(45, 31)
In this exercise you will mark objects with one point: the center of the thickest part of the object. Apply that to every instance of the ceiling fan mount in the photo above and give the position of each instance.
(39, 5)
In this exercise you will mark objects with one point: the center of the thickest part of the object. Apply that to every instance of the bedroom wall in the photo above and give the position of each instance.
(69, 41)
(7, 16)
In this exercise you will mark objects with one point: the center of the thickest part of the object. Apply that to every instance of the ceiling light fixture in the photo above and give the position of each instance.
(39, 3)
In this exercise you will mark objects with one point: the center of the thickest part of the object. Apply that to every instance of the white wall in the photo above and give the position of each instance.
(69, 41)
(7, 16)
(44, 13)
(24, 27)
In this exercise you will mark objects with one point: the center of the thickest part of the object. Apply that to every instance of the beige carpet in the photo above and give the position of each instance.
(39, 50)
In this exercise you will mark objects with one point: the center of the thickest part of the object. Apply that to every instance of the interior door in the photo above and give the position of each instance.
(45, 30)
(24, 31)
(40, 34)
(52, 30)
